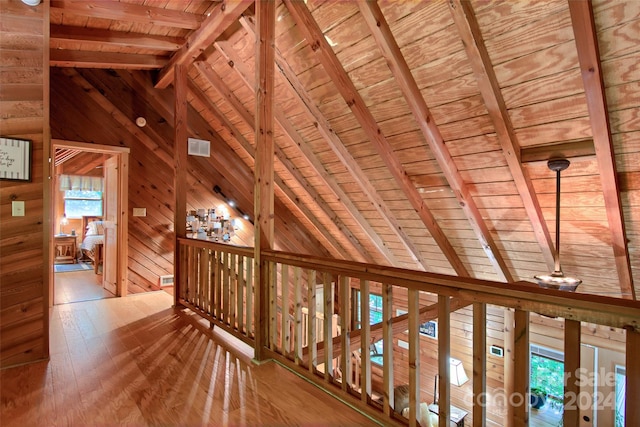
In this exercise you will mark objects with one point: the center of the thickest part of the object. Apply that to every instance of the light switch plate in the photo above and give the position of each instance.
(17, 208)
(139, 211)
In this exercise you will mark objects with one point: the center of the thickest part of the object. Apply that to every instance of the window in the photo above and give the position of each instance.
(79, 203)
(375, 316)
(547, 372)
(621, 374)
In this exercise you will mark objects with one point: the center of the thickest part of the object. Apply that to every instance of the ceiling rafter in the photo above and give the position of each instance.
(221, 17)
(64, 154)
(308, 26)
(469, 31)
(395, 60)
(332, 245)
(107, 60)
(290, 79)
(584, 30)
(121, 11)
(227, 51)
(64, 36)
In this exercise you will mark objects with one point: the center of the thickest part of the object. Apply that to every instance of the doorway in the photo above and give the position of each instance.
(89, 221)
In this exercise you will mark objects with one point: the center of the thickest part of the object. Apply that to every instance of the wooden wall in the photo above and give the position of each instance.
(24, 114)
(99, 106)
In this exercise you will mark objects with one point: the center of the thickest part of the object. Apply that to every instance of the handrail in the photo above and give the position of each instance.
(614, 312)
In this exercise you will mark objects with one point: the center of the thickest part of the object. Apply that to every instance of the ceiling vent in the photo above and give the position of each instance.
(199, 147)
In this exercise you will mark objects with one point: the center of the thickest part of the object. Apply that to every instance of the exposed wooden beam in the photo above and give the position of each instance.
(469, 31)
(567, 150)
(309, 28)
(299, 144)
(127, 12)
(108, 60)
(331, 244)
(221, 17)
(69, 37)
(584, 30)
(398, 65)
(289, 77)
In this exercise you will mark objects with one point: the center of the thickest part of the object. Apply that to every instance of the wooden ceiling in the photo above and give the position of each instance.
(414, 134)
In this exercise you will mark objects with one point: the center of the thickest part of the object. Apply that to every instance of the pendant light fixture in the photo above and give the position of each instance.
(557, 279)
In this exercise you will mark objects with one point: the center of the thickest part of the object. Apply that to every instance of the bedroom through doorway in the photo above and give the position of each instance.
(89, 222)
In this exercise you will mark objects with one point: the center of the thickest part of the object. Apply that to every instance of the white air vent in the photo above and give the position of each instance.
(166, 280)
(199, 147)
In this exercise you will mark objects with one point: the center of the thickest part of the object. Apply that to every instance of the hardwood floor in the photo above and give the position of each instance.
(76, 286)
(137, 361)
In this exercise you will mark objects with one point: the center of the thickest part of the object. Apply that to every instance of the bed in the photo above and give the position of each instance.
(92, 240)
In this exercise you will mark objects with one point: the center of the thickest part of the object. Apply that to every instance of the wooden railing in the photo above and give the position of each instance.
(217, 283)
(343, 363)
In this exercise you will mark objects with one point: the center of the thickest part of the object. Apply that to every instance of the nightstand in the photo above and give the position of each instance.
(65, 252)
(456, 415)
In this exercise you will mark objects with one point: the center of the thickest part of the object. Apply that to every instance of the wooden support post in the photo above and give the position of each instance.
(571, 415)
(520, 397)
(444, 354)
(479, 364)
(180, 168)
(263, 192)
(632, 386)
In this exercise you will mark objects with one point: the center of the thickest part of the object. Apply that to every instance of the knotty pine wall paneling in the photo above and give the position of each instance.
(24, 257)
(76, 115)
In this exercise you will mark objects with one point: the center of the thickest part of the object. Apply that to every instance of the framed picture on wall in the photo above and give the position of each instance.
(429, 329)
(15, 159)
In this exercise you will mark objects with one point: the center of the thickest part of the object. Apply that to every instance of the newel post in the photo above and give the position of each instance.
(263, 175)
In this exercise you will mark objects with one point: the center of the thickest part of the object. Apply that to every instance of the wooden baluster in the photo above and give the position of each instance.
(297, 334)
(212, 284)
(365, 369)
(284, 311)
(328, 329)
(273, 305)
(311, 320)
(632, 385)
(249, 299)
(387, 351)
(479, 364)
(571, 414)
(218, 290)
(444, 356)
(233, 289)
(345, 323)
(413, 306)
(240, 294)
(520, 398)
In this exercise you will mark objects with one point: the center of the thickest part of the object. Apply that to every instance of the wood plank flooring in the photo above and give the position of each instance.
(136, 361)
(76, 286)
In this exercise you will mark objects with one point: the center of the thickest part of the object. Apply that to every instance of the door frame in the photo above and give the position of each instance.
(122, 154)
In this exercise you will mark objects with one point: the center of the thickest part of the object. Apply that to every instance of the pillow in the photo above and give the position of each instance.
(95, 228)
(426, 418)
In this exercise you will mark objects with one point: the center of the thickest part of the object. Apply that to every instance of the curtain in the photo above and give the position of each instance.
(81, 182)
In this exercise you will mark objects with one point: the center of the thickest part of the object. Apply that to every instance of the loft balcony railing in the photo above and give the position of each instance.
(316, 321)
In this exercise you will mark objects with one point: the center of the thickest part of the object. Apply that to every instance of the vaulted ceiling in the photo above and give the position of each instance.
(413, 134)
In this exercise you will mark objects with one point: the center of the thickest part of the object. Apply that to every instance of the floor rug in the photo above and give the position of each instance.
(64, 268)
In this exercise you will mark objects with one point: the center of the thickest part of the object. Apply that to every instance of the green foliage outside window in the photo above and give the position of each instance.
(548, 375)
